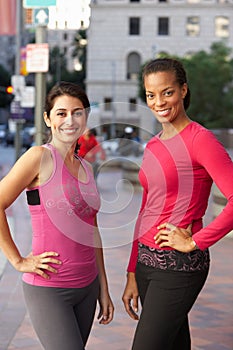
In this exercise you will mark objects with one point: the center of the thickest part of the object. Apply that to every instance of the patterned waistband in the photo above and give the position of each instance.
(197, 260)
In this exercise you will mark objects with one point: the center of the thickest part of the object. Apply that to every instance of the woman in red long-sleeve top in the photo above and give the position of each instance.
(169, 262)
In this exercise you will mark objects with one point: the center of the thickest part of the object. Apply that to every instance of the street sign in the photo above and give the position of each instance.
(39, 3)
(18, 83)
(16, 110)
(28, 97)
(37, 59)
(28, 17)
(41, 16)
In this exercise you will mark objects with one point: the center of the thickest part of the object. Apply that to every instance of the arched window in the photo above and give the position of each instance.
(133, 65)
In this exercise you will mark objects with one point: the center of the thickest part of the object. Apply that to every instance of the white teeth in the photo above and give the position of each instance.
(164, 112)
(68, 131)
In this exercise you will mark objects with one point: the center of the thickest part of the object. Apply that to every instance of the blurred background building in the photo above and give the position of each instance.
(124, 34)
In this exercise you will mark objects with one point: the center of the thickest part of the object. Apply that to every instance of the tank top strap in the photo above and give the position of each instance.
(90, 176)
(58, 162)
(57, 158)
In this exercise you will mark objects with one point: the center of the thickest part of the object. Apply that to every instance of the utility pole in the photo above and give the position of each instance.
(40, 82)
(38, 60)
(19, 122)
(113, 123)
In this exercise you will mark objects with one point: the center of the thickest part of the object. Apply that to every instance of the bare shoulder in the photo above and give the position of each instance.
(24, 172)
(27, 167)
(34, 156)
(42, 162)
(34, 153)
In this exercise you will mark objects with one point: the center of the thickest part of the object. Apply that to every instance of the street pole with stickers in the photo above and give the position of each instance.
(16, 103)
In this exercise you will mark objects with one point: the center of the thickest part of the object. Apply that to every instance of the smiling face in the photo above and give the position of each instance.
(165, 96)
(67, 119)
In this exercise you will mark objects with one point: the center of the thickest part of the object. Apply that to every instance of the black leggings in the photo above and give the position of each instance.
(62, 317)
(166, 297)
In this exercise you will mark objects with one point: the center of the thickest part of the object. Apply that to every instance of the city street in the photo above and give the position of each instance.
(211, 319)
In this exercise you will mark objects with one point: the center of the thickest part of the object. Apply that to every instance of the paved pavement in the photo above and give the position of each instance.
(211, 318)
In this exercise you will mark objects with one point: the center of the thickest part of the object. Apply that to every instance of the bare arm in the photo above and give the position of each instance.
(23, 173)
(106, 305)
(130, 296)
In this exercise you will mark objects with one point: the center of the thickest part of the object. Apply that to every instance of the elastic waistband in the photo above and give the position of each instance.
(196, 260)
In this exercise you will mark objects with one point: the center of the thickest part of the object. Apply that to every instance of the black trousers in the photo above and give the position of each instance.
(166, 297)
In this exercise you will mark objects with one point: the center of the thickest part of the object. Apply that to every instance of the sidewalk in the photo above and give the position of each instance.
(211, 319)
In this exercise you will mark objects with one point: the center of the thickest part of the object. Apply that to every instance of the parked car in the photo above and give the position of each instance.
(3, 131)
(27, 137)
(10, 136)
(110, 146)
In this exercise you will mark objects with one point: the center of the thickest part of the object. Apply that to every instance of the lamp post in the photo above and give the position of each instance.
(113, 121)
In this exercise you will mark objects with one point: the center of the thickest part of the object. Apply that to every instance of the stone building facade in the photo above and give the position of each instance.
(124, 34)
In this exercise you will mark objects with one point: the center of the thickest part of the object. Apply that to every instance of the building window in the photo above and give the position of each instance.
(135, 0)
(222, 27)
(162, 0)
(65, 36)
(107, 103)
(163, 26)
(193, 26)
(132, 104)
(134, 26)
(133, 65)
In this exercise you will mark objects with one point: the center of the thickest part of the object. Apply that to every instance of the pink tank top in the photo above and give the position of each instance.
(62, 212)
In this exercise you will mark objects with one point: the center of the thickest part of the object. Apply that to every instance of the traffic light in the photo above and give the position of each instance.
(10, 89)
(7, 89)
(7, 95)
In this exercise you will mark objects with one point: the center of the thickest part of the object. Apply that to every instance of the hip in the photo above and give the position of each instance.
(67, 278)
(196, 260)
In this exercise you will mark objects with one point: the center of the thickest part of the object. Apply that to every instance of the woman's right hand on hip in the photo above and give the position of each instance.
(39, 264)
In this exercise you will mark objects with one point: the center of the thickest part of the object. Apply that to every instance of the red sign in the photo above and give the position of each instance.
(8, 17)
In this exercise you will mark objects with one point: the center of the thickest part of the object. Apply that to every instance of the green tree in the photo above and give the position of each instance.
(57, 64)
(80, 49)
(210, 77)
(58, 70)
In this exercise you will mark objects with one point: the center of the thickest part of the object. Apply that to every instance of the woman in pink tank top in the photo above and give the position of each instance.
(64, 275)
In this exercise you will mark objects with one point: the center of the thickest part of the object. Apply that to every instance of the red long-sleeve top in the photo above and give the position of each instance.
(176, 175)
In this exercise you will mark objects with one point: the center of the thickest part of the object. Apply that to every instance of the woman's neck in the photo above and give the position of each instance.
(171, 129)
(65, 150)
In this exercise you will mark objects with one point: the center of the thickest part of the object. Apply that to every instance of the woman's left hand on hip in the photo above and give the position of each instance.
(175, 237)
